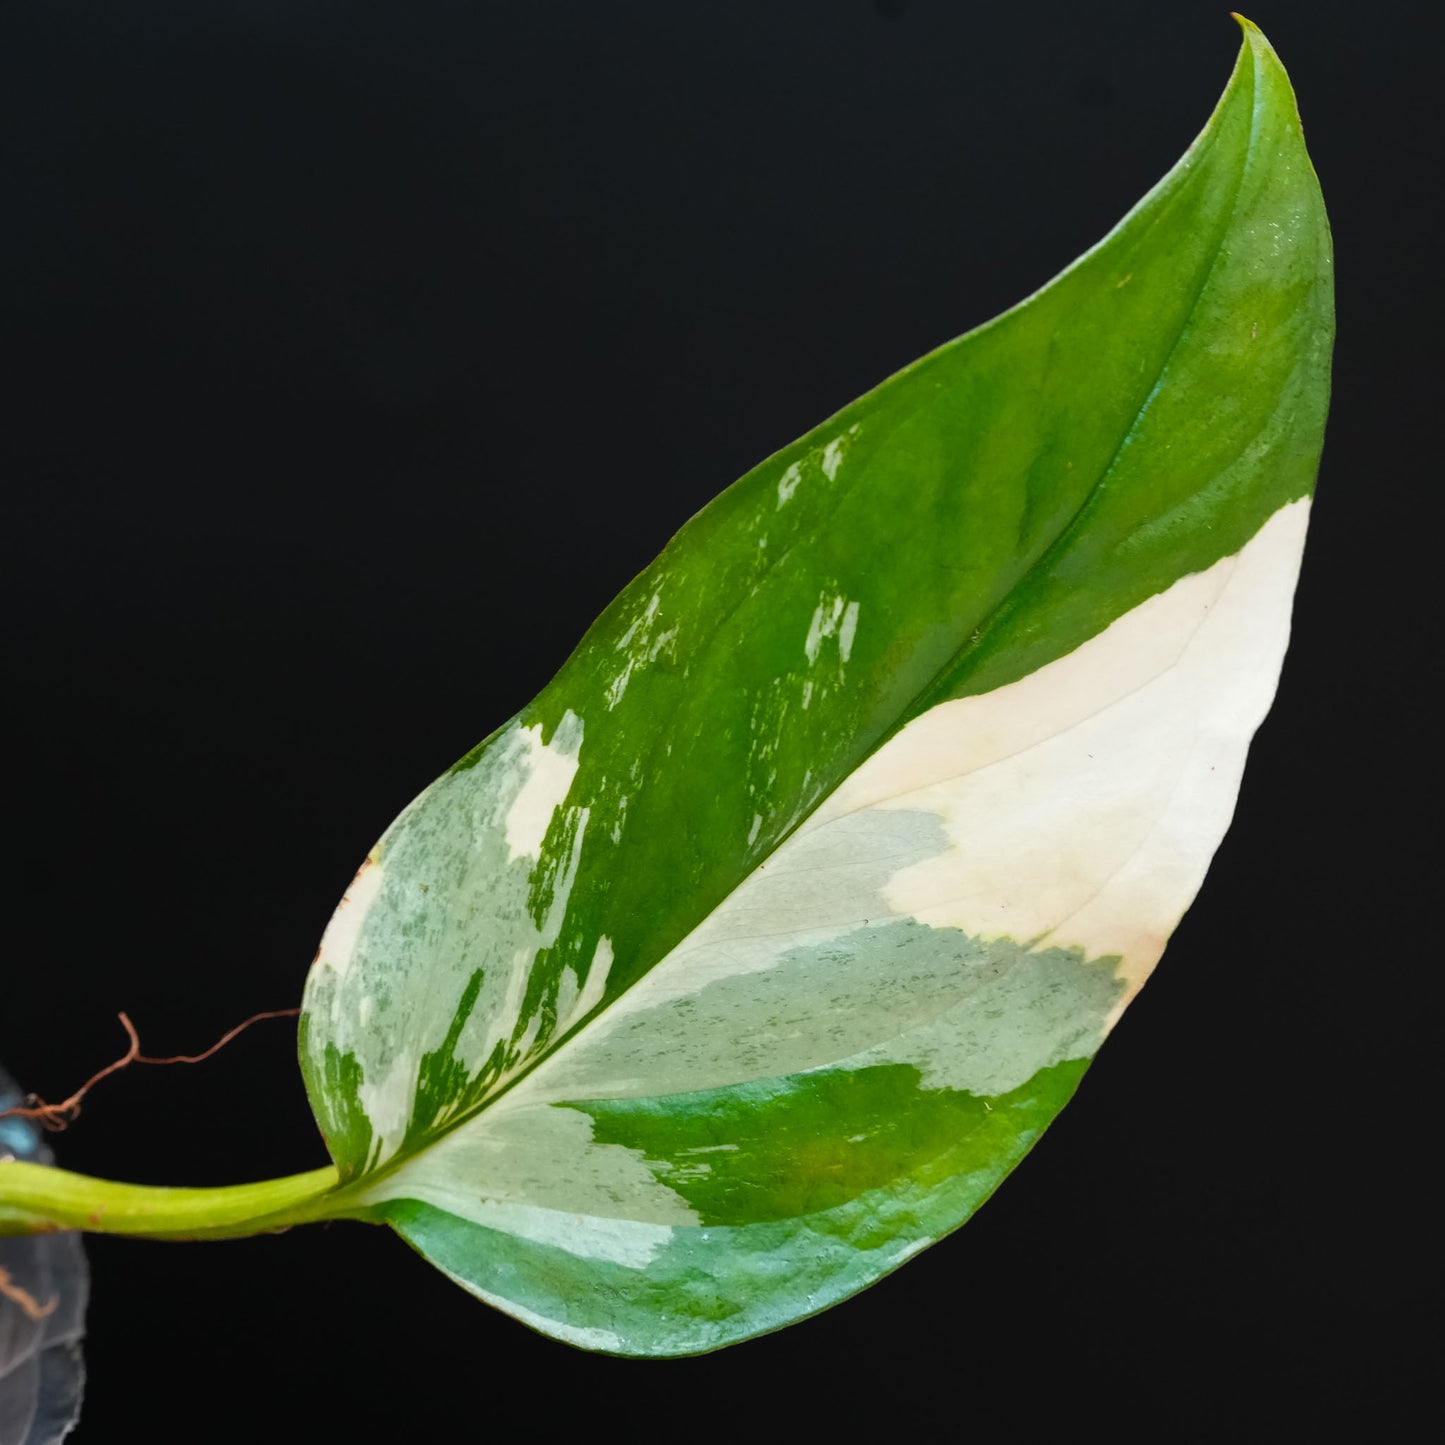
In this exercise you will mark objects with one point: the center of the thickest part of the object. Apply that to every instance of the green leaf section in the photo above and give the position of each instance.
(760, 1260)
(975, 517)
(784, 1148)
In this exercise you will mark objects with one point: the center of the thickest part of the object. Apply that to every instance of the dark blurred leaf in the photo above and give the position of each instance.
(42, 1372)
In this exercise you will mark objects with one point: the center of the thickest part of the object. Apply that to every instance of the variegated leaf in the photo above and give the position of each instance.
(749, 958)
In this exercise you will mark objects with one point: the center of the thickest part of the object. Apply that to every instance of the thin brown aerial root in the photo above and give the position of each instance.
(55, 1117)
(29, 1305)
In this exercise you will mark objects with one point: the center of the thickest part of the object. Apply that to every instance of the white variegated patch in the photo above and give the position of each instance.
(826, 459)
(548, 770)
(837, 449)
(593, 988)
(1084, 802)
(787, 485)
(836, 617)
(338, 943)
(522, 1154)
(641, 643)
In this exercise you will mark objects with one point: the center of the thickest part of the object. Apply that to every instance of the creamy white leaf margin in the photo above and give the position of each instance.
(1076, 808)
(1085, 801)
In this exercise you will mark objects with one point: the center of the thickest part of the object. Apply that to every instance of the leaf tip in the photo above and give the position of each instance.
(1268, 67)
(1254, 37)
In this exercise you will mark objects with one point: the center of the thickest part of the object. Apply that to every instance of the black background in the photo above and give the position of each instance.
(358, 353)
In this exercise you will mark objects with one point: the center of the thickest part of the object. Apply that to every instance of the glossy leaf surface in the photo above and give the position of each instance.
(751, 956)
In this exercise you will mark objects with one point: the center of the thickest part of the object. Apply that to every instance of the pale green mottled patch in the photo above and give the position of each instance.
(978, 1015)
(476, 877)
(522, 1151)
